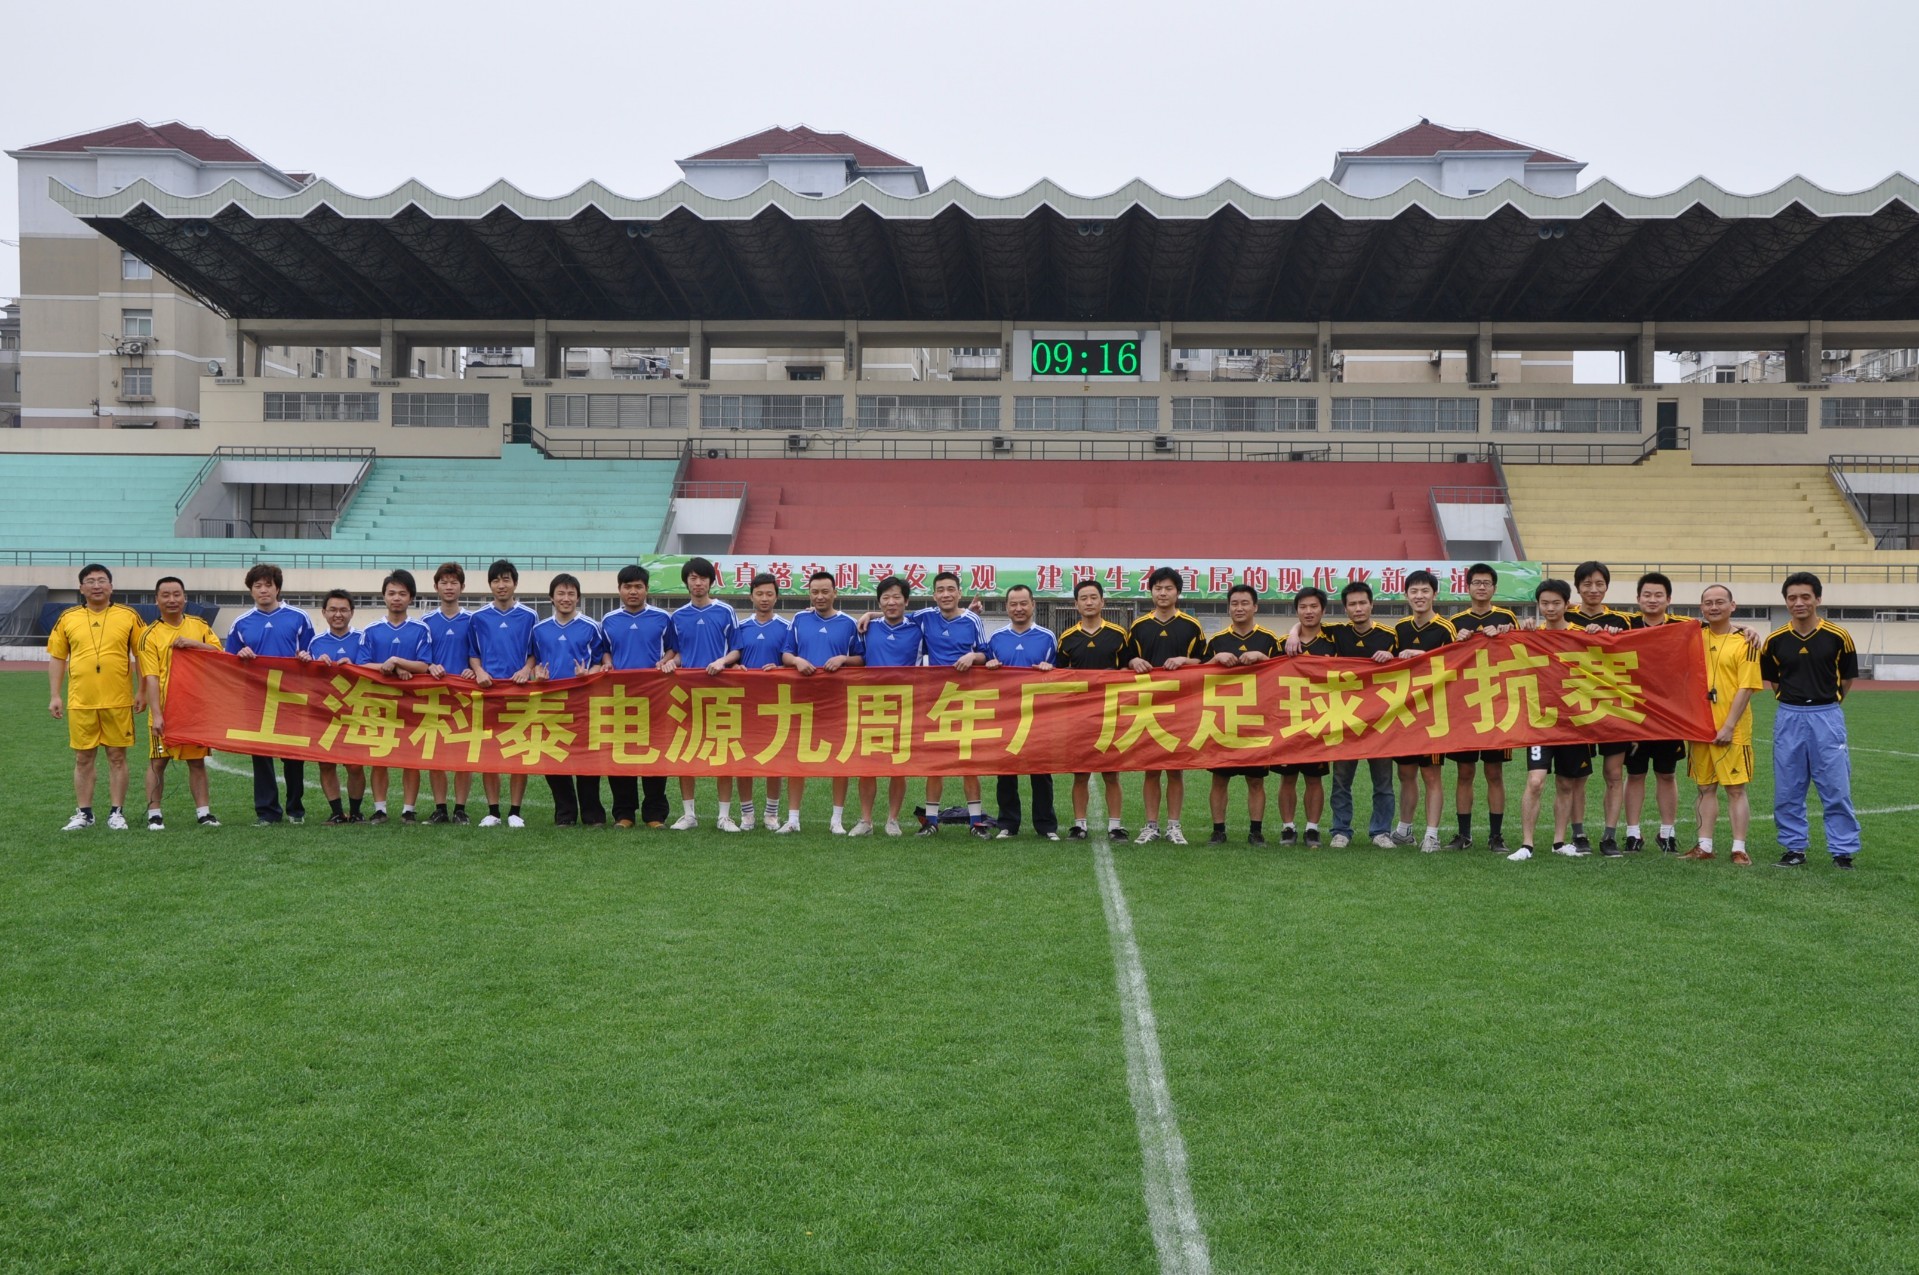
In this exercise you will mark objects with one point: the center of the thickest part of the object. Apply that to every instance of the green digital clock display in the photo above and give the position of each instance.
(1086, 358)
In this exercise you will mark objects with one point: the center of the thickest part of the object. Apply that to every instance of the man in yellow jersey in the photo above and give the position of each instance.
(1165, 637)
(174, 630)
(95, 649)
(1732, 676)
(1423, 630)
(1482, 581)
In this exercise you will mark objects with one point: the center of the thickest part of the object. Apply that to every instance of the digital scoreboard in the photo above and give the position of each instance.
(1085, 358)
(1086, 355)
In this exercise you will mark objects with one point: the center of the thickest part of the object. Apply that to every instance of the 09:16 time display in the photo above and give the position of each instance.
(1086, 358)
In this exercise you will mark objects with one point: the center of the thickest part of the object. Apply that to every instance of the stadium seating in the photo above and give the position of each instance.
(85, 502)
(1126, 509)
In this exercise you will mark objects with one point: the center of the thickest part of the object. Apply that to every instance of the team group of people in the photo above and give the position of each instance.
(114, 665)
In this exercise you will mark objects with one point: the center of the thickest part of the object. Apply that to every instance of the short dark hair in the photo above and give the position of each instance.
(1421, 576)
(1310, 591)
(336, 593)
(1026, 588)
(92, 567)
(565, 577)
(400, 576)
(1592, 567)
(267, 571)
(635, 574)
(1481, 569)
(1089, 583)
(1243, 587)
(164, 580)
(1356, 586)
(1806, 578)
(821, 574)
(502, 570)
(947, 575)
(699, 567)
(893, 582)
(1564, 590)
(1659, 578)
(764, 577)
(453, 569)
(1165, 573)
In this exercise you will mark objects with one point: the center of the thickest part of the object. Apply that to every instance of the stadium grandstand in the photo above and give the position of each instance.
(1132, 375)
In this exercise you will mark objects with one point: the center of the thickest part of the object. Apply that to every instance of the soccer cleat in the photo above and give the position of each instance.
(1175, 835)
(356, 819)
(1740, 859)
(686, 822)
(1398, 838)
(1843, 862)
(1635, 844)
(1429, 844)
(981, 828)
(749, 819)
(207, 820)
(1004, 834)
(1217, 839)
(1792, 859)
(1147, 835)
(1584, 843)
(337, 821)
(1312, 838)
(1460, 841)
(409, 816)
(117, 821)
(1669, 845)
(379, 816)
(296, 819)
(439, 816)
(1609, 846)
(864, 828)
(1571, 850)
(1497, 844)
(1288, 836)
(791, 825)
(1076, 833)
(928, 829)
(80, 820)
(1050, 836)
(491, 821)
(726, 824)
(893, 828)
(1386, 841)
(1520, 855)
(1118, 835)
(155, 823)
(514, 821)
(1341, 840)
(462, 817)
(1255, 838)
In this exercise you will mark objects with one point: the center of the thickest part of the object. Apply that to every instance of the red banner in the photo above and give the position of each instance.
(1512, 691)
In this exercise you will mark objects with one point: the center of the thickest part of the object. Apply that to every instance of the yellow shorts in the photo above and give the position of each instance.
(1728, 764)
(159, 750)
(91, 728)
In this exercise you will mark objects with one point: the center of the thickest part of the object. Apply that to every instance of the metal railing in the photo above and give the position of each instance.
(1018, 445)
(250, 529)
(364, 454)
(595, 448)
(1838, 466)
(1769, 572)
(1575, 453)
(698, 489)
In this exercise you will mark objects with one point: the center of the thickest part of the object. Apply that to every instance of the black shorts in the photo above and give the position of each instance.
(1661, 755)
(1311, 769)
(1423, 759)
(1618, 749)
(1491, 756)
(1568, 761)
(1251, 774)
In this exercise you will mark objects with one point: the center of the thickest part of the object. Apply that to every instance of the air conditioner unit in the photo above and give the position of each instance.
(1161, 443)
(1001, 443)
(796, 442)
(132, 347)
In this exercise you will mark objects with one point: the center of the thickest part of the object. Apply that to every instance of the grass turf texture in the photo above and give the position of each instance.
(418, 1049)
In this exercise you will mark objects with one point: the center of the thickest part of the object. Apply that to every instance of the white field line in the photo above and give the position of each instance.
(227, 768)
(1169, 1193)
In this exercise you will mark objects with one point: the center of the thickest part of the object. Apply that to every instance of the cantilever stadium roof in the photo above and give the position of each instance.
(1229, 255)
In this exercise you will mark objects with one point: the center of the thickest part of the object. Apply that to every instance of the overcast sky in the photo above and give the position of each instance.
(552, 94)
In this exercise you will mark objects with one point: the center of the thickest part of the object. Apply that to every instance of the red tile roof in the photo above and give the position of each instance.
(803, 141)
(1427, 138)
(173, 135)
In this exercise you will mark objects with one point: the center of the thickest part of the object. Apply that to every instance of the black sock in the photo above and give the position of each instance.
(1498, 822)
(1219, 827)
(1254, 825)
(1465, 825)
(333, 803)
(356, 806)
(1579, 830)
(493, 809)
(512, 810)
(114, 811)
(439, 807)
(87, 811)
(1612, 832)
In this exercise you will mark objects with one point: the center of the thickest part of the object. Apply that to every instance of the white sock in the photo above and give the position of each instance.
(1705, 843)
(1665, 830)
(1632, 830)
(1172, 823)
(1432, 831)
(1113, 823)
(1738, 845)
(379, 807)
(793, 819)
(933, 810)
(152, 811)
(726, 809)
(406, 810)
(772, 809)
(1288, 825)
(199, 811)
(1403, 829)
(1312, 827)
(839, 814)
(975, 810)
(1080, 824)
(686, 806)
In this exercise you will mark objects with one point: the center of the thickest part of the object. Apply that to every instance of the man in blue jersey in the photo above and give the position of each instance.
(1023, 644)
(401, 647)
(568, 644)
(954, 639)
(338, 645)
(502, 636)
(268, 628)
(759, 642)
(892, 641)
(450, 626)
(702, 636)
(822, 640)
(637, 636)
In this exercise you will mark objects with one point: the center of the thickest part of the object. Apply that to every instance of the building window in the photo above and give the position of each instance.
(352, 367)
(1103, 415)
(1246, 415)
(441, 411)
(1754, 416)
(1407, 415)
(320, 407)
(131, 267)
(1868, 413)
(136, 382)
(1565, 416)
(419, 368)
(1724, 376)
(616, 411)
(136, 323)
(932, 413)
(771, 411)
(815, 372)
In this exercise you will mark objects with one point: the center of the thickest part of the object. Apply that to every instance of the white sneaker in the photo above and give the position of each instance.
(749, 819)
(514, 821)
(1520, 855)
(1051, 836)
(1429, 844)
(491, 821)
(1004, 834)
(838, 829)
(726, 824)
(791, 825)
(1147, 835)
(860, 829)
(893, 828)
(78, 822)
(686, 822)
(1341, 841)
(1174, 836)
(1385, 841)
(117, 821)
(155, 822)
(1570, 850)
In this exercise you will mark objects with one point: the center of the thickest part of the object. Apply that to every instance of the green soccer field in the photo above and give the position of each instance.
(442, 1049)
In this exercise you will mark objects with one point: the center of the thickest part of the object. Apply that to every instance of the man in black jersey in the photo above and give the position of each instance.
(1360, 639)
(1423, 630)
(1809, 665)
(1165, 637)
(1568, 764)
(1094, 643)
(1593, 579)
(1309, 605)
(1243, 642)
(1481, 617)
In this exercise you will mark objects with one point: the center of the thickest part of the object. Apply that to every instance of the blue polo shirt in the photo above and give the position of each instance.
(947, 640)
(452, 638)
(282, 631)
(818, 640)
(638, 639)
(1014, 649)
(563, 647)
(324, 646)
(502, 639)
(702, 634)
(408, 640)
(759, 644)
(894, 645)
